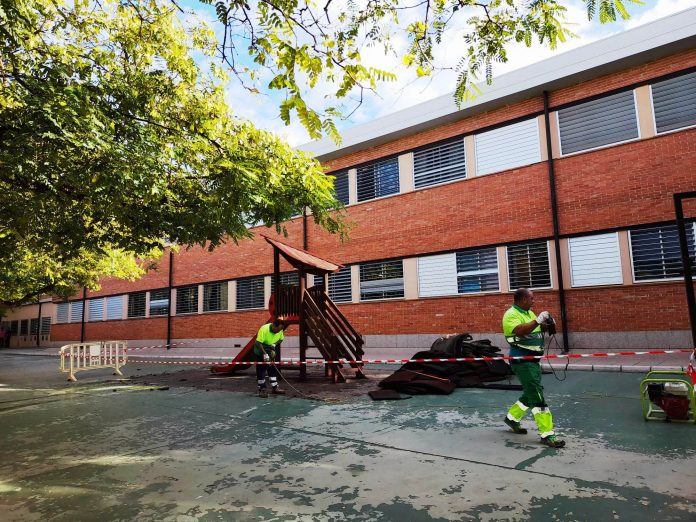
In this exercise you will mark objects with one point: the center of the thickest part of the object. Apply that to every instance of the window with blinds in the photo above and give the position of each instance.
(187, 300)
(315, 280)
(439, 164)
(508, 147)
(674, 103)
(95, 309)
(250, 293)
(340, 286)
(114, 307)
(14, 327)
(286, 278)
(159, 302)
(607, 120)
(45, 326)
(656, 253)
(62, 310)
(136, 304)
(76, 311)
(378, 179)
(437, 275)
(595, 260)
(215, 297)
(477, 271)
(528, 265)
(34, 326)
(24, 327)
(341, 187)
(381, 280)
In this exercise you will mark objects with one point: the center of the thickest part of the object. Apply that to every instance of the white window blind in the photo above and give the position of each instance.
(96, 309)
(595, 260)
(114, 307)
(508, 147)
(437, 275)
(62, 310)
(76, 311)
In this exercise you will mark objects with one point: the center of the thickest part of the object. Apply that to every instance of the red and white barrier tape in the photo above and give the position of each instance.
(165, 345)
(217, 360)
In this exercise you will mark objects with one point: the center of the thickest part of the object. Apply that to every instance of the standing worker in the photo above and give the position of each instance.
(523, 331)
(265, 348)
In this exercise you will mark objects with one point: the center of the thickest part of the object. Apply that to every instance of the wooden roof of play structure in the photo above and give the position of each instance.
(303, 260)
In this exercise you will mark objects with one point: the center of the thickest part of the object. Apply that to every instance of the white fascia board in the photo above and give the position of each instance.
(651, 41)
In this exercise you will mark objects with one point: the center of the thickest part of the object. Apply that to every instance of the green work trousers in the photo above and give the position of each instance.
(529, 375)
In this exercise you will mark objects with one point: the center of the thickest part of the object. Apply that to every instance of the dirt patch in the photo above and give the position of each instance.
(317, 386)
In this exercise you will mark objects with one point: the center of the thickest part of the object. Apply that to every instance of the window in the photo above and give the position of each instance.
(34, 327)
(250, 293)
(378, 179)
(477, 271)
(316, 280)
(674, 102)
(595, 260)
(96, 309)
(46, 326)
(214, 297)
(340, 288)
(508, 147)
(159, 302)
(136, 304)
(341, 186)
(76, 311)
(62, 310)
(187, 300)
(528, 265)
(14, 327)
(24, 327)
(381, 280)
(287, 279)
(437, 275)
(611, 119)
(439, 164)
(114, 307)
(656, 253)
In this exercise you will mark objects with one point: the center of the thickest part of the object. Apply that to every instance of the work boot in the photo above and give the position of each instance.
(263, 393)
(515, 426)
(277, 391)
(552, 442)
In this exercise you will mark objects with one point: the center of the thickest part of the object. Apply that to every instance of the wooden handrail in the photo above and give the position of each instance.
(346, 341)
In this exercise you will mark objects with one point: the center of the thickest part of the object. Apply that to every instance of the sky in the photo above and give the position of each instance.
(408, 90)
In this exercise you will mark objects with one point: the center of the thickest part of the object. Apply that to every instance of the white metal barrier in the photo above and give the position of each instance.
(88, 356)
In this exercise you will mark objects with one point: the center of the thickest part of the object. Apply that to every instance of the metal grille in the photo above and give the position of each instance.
(674, 102)
(381, 280)
(76, 311)
(136, 304)
(341, 187)
(214, 297)
(250, 293)
(656, 253)
(14, 327)
(187, 300)
(439, 164)
(62, 310)
(24, 327)
(287, 279)
(610, 119)
(96, 309)
(477, 271)
(114, 307)
(159, 302)
(528, 265)
(45, 326)
(34, 327)
(340, 287)
(378, 179)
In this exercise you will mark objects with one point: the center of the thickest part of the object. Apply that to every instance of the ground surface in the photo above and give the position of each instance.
(100, 450)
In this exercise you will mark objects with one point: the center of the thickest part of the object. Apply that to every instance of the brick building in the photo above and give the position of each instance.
(452, 209)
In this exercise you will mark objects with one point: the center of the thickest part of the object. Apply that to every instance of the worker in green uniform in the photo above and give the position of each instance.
(265, 349)
(523, 330)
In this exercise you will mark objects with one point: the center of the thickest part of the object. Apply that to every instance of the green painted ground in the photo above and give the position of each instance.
(103, 451)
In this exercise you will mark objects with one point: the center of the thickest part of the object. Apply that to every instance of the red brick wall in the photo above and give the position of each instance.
(65, 332)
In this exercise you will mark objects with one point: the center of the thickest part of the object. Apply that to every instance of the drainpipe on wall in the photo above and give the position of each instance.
(38, 331)
(82, 329)
(169, 315)
(554, 215)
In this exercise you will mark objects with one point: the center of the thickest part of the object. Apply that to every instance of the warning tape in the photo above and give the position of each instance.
(217, 360)
(165, 345)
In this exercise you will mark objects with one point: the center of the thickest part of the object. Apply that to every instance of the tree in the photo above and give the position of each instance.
(303, 43)
(114, 142)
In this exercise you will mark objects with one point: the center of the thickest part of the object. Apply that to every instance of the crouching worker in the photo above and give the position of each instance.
(523, 332)
(266, 347)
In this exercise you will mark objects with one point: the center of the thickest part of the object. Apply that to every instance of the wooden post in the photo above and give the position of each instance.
(303, 328)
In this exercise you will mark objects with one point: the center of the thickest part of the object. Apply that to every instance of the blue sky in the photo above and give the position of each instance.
(262, 108)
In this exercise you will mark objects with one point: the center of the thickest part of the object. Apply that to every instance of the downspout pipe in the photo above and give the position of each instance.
(556, 227)
(38, 331)
(169, 297)
(84, 302)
